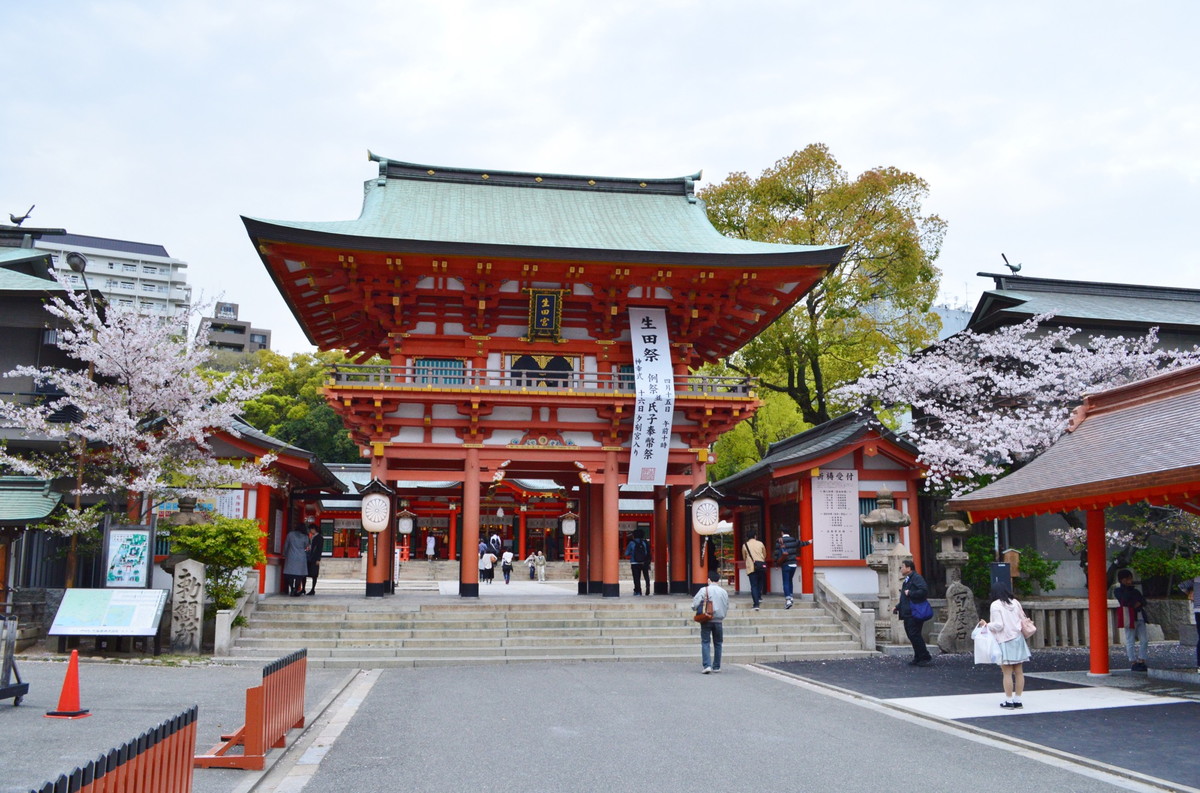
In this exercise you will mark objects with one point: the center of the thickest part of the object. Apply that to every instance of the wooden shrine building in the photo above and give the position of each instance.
(815, 486)
(1133, 443)
(535, 326)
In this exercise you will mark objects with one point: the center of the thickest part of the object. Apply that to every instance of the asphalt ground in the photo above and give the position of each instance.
(1137, 722)
(854, 725)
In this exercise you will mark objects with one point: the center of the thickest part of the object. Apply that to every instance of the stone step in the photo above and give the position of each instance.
(435, 638)
(682, 655)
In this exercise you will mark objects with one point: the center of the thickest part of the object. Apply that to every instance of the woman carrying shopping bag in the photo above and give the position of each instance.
(1007, 617)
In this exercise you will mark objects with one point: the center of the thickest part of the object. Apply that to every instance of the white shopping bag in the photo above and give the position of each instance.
(987, 651)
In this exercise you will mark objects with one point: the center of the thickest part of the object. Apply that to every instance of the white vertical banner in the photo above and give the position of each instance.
(835, 514)
(654, 381)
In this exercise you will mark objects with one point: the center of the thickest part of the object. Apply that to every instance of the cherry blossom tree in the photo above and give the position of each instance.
(984, 403)
(139, 412)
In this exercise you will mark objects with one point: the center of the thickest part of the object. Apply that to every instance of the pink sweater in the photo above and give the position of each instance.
(1006, 620)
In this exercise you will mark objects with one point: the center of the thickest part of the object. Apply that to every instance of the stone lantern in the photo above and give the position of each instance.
(960, 601)
(885, 522)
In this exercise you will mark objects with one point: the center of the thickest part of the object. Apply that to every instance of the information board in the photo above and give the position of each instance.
(128, 553)
(109, 612)
(835, 514)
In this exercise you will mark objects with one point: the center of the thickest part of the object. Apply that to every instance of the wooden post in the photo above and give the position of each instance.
(659, 542)
(612, 522)
(468, 568)
(1097, 576)
(807, 580)
(679, 578)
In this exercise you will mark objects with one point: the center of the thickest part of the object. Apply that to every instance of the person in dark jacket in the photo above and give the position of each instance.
(787, 551)
(913, 589)
(316, 545)
(295, 561)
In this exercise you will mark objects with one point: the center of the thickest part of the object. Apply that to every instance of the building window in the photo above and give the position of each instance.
(126, 284)
(129, 268)
(149, 288)
(146, 268)
(439, 371)
(258, 338)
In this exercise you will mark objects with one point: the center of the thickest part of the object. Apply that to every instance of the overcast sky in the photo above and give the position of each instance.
(1064, 134)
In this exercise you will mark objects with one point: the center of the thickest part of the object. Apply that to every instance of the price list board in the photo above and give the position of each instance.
(835, 514)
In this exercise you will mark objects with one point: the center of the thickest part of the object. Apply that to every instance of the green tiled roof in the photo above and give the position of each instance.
(1083, 302)
(24, 499)
(11, 280)
(462, 207)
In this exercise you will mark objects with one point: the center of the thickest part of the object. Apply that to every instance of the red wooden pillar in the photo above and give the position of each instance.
(699, 570)
(262, 513)
(679, 581)
(1097, 558)
(595, 539)
(379, 559)
(612, 520)
(658, 544)
(806, 534)
(521, 543)
(468, 568)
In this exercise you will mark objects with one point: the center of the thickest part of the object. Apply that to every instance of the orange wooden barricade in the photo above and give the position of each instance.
(158, 760)
(271, 710)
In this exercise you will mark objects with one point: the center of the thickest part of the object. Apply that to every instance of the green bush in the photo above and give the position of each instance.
(1151, 562)
(1036, 569)
(226, 547)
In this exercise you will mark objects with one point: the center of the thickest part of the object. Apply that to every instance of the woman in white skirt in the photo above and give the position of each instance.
(1005, 625)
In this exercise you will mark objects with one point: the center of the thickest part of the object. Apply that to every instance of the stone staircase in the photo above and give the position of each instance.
(387, 633)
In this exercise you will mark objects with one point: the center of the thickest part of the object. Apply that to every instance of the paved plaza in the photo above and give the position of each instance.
(838, 725)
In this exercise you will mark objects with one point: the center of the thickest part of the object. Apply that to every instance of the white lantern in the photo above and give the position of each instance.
(706, 511)
(375, 510)
(570, 522)
(405, 521)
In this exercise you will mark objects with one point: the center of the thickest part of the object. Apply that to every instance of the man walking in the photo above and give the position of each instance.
(754, 554)
(787, 548)
(914, 609)
(638, 551)
(316, 546)
(713, 631)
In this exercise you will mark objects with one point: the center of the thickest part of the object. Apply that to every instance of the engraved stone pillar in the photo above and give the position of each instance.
(187, 607)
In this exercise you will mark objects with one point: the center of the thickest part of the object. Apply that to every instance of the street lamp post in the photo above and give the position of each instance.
(78, 263)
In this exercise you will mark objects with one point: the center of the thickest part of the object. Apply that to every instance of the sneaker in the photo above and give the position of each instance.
(707, 670)
(788, 605)
(1008, 705)
(1017, 704)
(716, 669)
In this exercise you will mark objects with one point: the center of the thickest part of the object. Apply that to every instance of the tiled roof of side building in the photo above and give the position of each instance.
(1142, 435)
(462, 207)
(24, 499)
(106, 244)
(1016, 298)
(814, 443)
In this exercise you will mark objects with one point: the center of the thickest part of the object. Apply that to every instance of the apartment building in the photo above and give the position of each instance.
(131, 274)
(227, 332)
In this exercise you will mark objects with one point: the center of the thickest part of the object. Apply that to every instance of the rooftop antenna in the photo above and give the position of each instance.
(22, 218)
(1016, 268)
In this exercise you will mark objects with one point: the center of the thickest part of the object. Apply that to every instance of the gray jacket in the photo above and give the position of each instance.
(719, 597)
(295, 553)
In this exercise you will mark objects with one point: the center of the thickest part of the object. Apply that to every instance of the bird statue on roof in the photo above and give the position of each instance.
(22, 218)
(1016, 268)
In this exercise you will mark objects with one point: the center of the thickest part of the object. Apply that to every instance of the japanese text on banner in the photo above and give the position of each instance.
(654, 382)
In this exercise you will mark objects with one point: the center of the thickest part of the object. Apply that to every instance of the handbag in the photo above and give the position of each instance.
(920, 611)
(1027, 626)
(704, 612)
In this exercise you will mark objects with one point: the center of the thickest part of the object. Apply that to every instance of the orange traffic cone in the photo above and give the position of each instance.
(68, 700)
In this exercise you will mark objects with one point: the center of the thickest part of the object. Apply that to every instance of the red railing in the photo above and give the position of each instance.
(271, 710)
(158, 760)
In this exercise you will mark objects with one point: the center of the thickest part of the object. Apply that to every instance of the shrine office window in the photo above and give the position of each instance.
(625, 377)
(439, 371)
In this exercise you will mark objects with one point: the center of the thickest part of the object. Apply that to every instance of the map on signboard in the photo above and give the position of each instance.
(109, 612)
(128, 558)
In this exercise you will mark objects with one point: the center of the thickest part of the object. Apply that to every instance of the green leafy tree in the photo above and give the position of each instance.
(747, 443)
(875, 303)
(293, 408)
(1036, 570)
(226, 547)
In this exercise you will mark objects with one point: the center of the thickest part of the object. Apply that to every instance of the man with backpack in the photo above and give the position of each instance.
(638, 551)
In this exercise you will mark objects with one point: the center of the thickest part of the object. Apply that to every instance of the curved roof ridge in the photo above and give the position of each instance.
(399, 169)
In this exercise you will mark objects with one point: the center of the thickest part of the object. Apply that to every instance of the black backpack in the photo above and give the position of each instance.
(640, 552)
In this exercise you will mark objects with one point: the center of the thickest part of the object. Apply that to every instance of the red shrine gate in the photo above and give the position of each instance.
(502, 303)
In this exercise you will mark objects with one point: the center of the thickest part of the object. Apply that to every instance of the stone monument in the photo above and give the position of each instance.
(187, 607)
